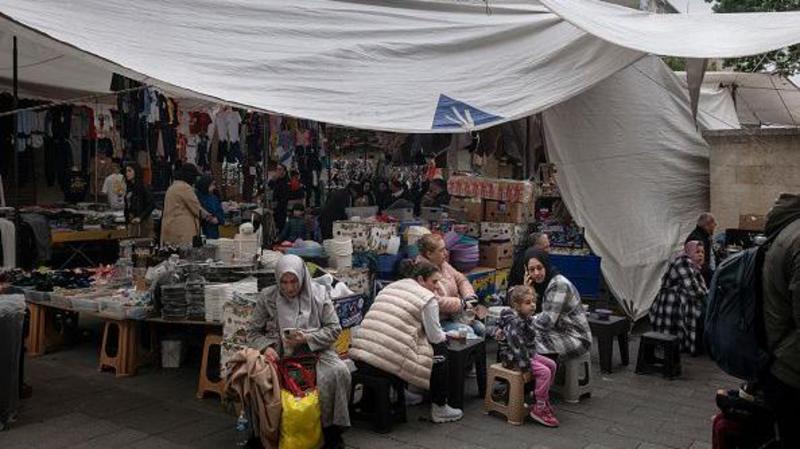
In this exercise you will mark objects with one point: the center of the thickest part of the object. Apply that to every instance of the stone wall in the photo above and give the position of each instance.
(749, 168)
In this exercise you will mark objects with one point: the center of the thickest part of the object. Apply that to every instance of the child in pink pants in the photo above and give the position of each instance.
(518, 349)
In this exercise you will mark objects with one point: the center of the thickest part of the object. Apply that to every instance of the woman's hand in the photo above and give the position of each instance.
(296, 339)
(526, 376)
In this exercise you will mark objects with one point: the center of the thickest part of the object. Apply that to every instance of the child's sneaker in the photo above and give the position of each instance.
(542, 414)
(445, 413)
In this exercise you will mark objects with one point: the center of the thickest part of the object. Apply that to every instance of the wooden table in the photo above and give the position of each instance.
(76, 241)
(128, 357)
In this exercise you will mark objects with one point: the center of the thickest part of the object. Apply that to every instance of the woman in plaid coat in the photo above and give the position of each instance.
(680, 304)
(561, 325)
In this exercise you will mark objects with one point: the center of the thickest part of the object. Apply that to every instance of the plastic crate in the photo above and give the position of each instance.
(583, 271)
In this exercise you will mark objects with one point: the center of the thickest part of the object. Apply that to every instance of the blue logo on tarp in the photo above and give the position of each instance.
(452, 113)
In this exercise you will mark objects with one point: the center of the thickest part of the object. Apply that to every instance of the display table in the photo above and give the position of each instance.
(127, 357)
(76, 241)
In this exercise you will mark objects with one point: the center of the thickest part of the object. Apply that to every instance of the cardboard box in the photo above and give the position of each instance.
(483, 281)
(496, 255)
(501, 279)
(499, 211)
(752, 222)
(496, 232)
(465, 209)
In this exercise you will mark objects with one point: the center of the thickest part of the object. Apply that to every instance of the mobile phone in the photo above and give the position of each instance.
(289, 331)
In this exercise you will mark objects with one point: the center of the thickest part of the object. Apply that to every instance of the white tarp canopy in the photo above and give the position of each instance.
(635, 176)
(432, 66)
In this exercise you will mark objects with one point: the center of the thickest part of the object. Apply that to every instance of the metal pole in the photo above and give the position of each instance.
(14, 129)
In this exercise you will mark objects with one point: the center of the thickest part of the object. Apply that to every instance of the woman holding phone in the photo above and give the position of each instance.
(297, 316)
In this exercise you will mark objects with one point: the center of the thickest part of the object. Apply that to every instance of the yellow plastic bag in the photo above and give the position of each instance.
(301, 427)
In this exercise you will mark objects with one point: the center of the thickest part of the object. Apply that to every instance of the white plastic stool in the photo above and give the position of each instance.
(574, 378)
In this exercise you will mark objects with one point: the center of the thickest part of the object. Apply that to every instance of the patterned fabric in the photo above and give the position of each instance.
(680, 302)
(517, 345)
(561, 326)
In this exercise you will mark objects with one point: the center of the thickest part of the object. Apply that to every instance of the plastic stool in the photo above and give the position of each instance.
(574, 378)
(206, 382)
(376, 404)
(514, 411)
(669, 365)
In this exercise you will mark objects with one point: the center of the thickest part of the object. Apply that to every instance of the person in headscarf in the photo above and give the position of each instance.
(206, 190)
(180, 222)
(297, 316)
(679, 306)
(561, 324)
(139, 203)
(537, 240)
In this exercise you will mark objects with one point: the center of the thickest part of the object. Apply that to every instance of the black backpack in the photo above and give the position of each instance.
(734, 325)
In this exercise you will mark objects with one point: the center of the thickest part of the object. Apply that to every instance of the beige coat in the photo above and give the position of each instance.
(255, 382)
(391, 336)
(181, 219)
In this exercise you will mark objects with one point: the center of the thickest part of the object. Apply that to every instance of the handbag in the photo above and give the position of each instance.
(301, 427)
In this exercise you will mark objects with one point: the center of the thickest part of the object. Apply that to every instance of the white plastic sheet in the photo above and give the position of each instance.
(634, 175)
(686, 35)
(422, 66)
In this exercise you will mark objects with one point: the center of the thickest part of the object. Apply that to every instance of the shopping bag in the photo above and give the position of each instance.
(301, 427)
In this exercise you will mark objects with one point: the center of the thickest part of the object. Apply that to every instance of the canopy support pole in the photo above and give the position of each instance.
(14, 128)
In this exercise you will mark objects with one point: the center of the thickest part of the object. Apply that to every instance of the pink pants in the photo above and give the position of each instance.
(544, 372)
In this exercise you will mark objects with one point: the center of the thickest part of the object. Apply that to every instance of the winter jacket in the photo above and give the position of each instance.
(212, 205)
(181, 219)
(255, 381)
(781, 289)
(453, 287)
(391, 336)
(518, 343)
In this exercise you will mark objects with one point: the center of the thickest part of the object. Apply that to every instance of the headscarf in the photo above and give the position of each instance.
(203, 184)
(302, 311)
(550, 272)
(691, 249)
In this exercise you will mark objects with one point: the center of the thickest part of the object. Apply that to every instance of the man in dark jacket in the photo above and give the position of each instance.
(781, 290)
(704, 233)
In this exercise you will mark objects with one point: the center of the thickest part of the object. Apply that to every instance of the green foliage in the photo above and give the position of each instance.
(676, 64)
(785, 61)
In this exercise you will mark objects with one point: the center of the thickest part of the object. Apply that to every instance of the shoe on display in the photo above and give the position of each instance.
(542, 414)
(413, 398)
(445, 413)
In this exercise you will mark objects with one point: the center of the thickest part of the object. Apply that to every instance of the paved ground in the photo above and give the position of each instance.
(75, 406)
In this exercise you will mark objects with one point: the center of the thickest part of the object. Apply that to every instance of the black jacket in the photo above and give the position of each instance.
(139, 202)
(781, 289)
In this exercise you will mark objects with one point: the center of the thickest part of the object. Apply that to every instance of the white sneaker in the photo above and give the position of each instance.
(445, 413)
(413, 398)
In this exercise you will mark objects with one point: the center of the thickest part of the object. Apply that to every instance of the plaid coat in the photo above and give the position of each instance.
(680, 302)
(561, 326)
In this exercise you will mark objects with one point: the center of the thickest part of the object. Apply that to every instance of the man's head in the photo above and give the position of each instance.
(540, 241)
(707, 222)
